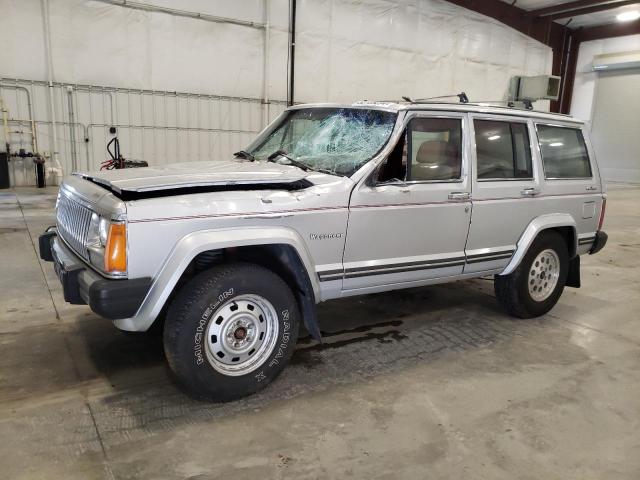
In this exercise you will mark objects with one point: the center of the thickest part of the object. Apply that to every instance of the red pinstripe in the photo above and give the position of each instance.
(303, 210)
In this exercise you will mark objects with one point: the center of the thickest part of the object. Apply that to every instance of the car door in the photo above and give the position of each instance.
(506, 184)
(571, 179)
(408, 222)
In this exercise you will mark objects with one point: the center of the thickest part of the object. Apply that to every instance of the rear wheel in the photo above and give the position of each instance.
(230, 331)
(535, 286)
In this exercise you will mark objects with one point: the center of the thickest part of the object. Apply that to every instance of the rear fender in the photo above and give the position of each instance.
(537, 225)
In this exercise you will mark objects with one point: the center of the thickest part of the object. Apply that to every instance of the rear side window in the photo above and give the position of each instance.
(435, 149)
(502, 150)
(564, 153)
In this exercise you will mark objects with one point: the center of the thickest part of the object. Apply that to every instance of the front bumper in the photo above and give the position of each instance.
(81, 285)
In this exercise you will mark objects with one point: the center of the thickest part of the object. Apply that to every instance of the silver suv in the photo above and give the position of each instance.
(229, 258)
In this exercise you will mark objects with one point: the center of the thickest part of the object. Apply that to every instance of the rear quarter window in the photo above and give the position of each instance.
(564, 152)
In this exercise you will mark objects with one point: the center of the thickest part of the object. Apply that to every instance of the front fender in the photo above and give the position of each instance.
(189, 246)
(538, 224)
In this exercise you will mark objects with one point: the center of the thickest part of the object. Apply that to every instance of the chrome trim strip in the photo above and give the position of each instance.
(490, 258)
(403, 269)
(491, 254)
(586, 241)
(355, 272)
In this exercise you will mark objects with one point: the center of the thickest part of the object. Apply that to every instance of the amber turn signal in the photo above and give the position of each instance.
(115, 254)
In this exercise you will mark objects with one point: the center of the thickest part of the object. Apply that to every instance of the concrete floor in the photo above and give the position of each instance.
(429, 383)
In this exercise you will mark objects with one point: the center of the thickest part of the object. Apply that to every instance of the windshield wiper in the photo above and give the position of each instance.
(289, 160)
(244, 154)
(296, 163)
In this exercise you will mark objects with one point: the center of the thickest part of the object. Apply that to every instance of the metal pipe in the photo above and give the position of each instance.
(180, 13)
(265, 66)
(22, 121)
(34, 139)
(170, 128)
(292, 52)
(72, 130)
(5, 124)
(110, 102)
(52, 106)
(86, 87)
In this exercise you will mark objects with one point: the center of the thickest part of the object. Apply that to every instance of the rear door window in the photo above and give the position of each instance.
(564, 153)
(502, 150)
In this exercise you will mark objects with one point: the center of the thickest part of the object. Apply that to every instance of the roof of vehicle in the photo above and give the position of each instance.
(487, 108)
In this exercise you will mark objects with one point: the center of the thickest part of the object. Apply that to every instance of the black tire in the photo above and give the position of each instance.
(512, 291)
(192, 312)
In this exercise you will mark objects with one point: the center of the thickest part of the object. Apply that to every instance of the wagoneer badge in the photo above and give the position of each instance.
(324, 236)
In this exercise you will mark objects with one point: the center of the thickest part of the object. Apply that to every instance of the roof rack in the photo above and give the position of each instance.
(528, 104)
(463, 98)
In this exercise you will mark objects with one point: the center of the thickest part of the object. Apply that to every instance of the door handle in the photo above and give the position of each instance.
(591, 188)
(530, 192)
(459, 196)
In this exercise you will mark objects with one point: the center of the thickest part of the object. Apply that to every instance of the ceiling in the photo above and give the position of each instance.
(575, 21)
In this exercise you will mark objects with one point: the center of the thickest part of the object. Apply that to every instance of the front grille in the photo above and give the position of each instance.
(73, 220)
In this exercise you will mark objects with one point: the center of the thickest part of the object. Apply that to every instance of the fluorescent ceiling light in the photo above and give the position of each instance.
(628, 16)
(494, 137)
(556, 144)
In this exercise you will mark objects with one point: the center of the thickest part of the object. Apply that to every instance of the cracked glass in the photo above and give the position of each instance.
(335, 140)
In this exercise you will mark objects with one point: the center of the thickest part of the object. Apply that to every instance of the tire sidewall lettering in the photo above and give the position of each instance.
(203, 322)
(280, 351)
(281, 347)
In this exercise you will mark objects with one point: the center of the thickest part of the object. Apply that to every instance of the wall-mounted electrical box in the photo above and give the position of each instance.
(541, 87)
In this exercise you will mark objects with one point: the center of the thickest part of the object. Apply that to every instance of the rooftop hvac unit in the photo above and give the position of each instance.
(541, 87)
(616, 61)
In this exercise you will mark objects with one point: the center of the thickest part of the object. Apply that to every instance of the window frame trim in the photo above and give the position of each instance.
(584, 143)
(492, 118)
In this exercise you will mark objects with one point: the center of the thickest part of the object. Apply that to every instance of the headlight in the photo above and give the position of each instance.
(93, 235)
(98, 233)
(107, 244)
(103, 231)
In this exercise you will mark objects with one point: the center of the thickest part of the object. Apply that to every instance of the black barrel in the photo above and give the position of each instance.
(4, 170)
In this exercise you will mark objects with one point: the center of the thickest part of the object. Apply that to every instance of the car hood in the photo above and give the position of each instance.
(195, 174)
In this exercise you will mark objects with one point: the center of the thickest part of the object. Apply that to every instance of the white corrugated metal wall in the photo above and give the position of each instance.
(123, 65)
(157, 126)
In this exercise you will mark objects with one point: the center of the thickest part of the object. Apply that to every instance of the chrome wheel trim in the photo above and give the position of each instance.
(241, 335)
(543, 275)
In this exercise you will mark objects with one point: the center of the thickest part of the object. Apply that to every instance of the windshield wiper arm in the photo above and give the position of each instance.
(244, 154)
(296, 163)
(289, 160)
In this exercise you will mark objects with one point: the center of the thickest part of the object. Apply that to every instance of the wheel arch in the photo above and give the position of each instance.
(563, 223)
(284, 246)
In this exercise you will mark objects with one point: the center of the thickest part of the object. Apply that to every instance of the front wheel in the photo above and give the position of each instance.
(230, 331)
(535, 286)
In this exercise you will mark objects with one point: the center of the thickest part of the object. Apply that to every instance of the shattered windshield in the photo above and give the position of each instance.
(336, 140)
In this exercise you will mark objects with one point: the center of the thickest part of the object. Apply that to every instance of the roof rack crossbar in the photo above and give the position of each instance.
(462, 97)
(528, 104)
